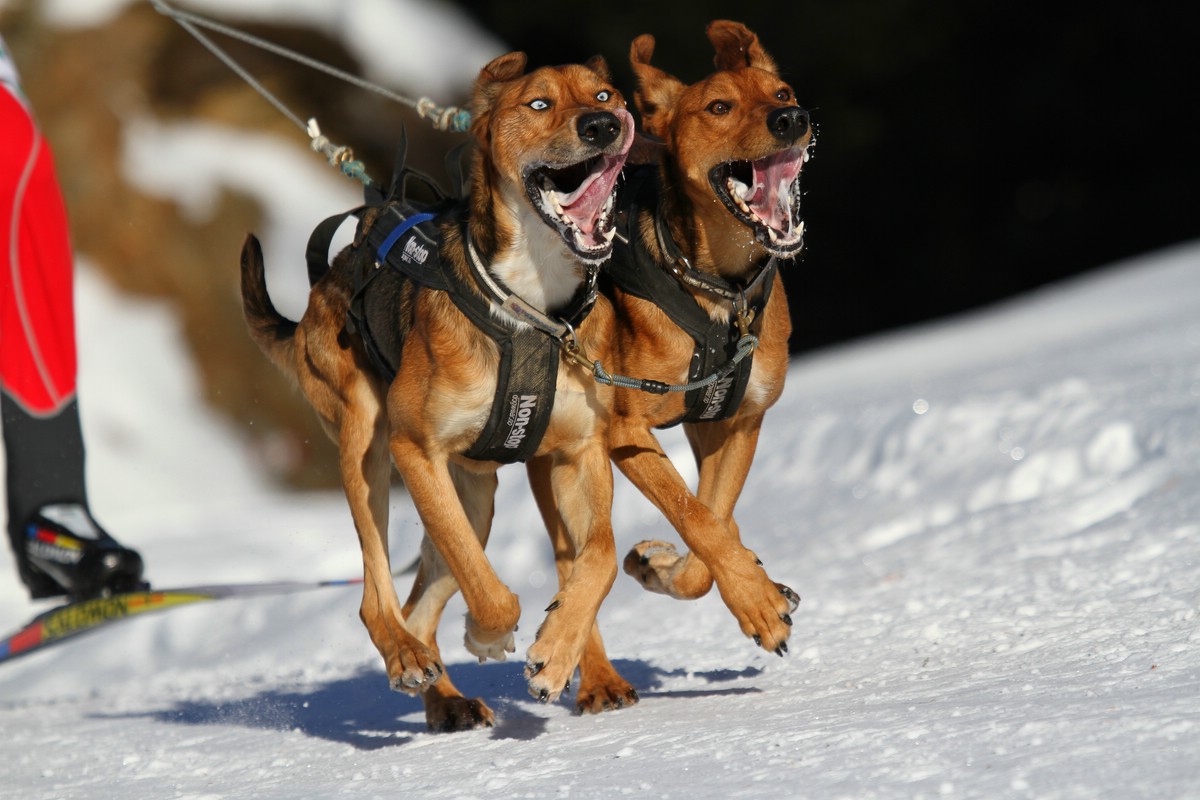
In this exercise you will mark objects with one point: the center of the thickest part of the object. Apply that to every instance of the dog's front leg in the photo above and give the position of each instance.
(581, 483)
(601, 687)
(724, 451)
(493, 610)
(446, 709)
(761, 607)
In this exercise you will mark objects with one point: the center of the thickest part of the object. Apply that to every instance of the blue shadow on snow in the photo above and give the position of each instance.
(363, 712)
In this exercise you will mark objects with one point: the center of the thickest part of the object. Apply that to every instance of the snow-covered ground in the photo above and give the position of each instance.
(994, 523)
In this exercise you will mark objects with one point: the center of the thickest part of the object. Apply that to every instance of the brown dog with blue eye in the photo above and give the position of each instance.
(512, 296)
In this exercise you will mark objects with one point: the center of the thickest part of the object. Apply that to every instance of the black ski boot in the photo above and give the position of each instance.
(64, 551)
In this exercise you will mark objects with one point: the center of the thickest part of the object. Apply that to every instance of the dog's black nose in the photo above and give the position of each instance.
(600, 128)
(788, 123)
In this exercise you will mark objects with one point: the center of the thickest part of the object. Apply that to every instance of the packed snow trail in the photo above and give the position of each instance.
(994, 523)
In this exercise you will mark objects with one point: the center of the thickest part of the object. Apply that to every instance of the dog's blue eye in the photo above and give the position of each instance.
(603, 96)
(539, 105)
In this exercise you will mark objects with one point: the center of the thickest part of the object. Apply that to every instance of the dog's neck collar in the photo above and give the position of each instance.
(521, 310)
(678, 265)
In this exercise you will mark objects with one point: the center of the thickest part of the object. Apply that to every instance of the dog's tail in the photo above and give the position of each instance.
(272, 332)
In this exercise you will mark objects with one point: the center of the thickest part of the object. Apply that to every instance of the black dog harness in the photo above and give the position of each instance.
(634, 270)
(397, 243)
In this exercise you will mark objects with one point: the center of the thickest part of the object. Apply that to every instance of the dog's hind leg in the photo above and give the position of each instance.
(581, 484)
(601, 687)
(446, 709)
(657, 565)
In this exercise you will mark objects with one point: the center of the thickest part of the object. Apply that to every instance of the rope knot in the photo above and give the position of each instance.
(444, 118)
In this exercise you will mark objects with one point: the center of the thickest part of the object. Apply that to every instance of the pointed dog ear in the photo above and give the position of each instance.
(737, 47)
(598, 65)
(502, 69)
(657, 91)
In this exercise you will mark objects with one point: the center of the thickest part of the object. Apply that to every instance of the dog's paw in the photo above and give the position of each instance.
(483, 646)
(413, 670)
(606, 697)
(552, 659)
(548, 677)
(763, 610)
(659, 567)
(448, 714)
(652, 564)
(792, 598)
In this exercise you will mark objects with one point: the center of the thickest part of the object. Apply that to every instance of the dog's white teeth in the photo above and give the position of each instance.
(774, 236)
(610, 234)
(800, 230)
(737, 189)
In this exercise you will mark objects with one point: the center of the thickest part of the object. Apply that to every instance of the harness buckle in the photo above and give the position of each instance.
(571, 349)
(743, 314)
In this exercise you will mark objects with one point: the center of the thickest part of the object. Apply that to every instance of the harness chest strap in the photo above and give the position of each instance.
(529, 360)
(716, 344)
(400, 245)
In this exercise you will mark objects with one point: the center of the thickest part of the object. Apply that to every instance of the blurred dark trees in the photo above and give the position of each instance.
(967, 151)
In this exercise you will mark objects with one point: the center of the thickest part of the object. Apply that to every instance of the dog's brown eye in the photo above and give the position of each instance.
(539, 104)
(718, 107)
(784, 95)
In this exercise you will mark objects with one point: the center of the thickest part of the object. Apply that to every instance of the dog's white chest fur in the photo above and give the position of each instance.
(539, 267)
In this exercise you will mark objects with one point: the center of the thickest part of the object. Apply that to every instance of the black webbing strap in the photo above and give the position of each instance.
(634, 270)
(527, 376)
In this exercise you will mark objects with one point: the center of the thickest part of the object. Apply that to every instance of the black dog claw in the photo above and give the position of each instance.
(543, 695)
(553, 606)
(787, 618)
(534, 669)
(758, 640)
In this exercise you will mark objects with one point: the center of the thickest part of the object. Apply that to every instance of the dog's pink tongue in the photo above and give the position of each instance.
(584, 204)
(773, 179)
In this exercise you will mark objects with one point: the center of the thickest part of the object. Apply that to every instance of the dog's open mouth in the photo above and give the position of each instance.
(579, 200)
(765, 195)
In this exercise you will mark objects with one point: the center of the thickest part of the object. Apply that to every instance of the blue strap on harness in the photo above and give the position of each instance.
(397, 232)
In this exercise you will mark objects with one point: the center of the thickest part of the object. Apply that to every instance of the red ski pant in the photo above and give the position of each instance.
(37, 320)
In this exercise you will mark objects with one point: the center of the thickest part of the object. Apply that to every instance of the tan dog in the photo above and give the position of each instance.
(540, 215)
(707, 233)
